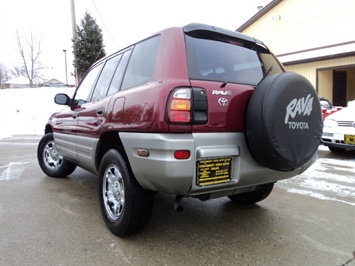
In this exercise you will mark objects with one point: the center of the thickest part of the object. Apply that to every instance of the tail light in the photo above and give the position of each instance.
(179, 106)
(187, 106)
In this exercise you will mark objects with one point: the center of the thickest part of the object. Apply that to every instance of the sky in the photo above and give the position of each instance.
(123, 22)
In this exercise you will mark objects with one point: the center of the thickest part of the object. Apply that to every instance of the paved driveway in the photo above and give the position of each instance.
(48, 221)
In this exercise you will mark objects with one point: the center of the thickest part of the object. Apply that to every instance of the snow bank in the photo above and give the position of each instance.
(26, 111)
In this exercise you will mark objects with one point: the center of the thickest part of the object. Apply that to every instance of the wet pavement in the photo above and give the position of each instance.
(49, 221)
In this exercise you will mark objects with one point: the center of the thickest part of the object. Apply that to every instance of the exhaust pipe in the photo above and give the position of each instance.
(177, 204)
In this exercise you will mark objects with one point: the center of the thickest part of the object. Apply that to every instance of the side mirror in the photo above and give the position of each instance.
(62, 99)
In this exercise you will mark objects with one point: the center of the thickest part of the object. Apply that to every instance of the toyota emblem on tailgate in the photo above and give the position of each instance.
(223, 101)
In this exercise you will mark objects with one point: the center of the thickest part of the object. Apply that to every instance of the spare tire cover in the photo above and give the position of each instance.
(284, 122)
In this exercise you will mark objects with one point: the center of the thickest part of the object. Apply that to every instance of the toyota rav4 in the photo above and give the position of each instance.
(197, 111)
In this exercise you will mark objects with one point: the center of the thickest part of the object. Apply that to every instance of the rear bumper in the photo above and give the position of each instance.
(160, 171)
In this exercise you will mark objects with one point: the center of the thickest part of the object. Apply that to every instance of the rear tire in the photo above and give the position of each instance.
(125, 206)
(336, 150)
(51, 163)
(253, 197)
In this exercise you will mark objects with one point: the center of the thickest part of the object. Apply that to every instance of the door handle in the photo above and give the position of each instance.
(100, 111)
(75, 115)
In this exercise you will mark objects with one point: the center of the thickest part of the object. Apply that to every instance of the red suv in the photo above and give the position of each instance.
(196, 111)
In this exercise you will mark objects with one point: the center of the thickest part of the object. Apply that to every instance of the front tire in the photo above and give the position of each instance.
(253, 197)
(125, 206)
(51, 163)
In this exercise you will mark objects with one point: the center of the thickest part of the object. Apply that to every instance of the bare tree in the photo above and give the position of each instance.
(30, 53)
(4, 74)
(18, 71)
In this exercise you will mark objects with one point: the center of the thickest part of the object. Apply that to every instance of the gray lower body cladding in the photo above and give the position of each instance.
(160, 171)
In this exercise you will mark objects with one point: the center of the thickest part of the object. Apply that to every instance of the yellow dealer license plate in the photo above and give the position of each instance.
(214, 171)
(349, 139)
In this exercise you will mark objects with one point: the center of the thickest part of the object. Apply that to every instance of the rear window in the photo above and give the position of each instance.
(141, 64)
(227, 62)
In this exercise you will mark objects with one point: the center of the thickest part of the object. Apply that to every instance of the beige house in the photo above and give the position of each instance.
(315, 38)
(53, 83)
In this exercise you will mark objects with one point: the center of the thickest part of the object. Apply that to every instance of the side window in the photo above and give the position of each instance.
(105, 78)
(83, 92)
(117, 78)
(141, 65)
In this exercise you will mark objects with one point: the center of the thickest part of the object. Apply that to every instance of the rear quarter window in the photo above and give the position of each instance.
(141, 64)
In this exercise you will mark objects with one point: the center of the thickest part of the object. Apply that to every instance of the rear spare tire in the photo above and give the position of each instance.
(284, 122)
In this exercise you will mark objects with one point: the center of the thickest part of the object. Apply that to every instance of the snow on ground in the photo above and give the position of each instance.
(327, 179)
(25, 112)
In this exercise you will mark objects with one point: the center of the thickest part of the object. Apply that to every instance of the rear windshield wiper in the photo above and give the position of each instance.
(223, 84)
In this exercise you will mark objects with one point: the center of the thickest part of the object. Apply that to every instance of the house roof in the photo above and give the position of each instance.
(19, 80)
(258, 15)
(53, 80)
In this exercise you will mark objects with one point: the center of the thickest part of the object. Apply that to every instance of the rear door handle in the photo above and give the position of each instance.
(100, 111)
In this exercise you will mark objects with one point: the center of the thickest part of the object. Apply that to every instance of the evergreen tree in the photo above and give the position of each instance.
(88, 45)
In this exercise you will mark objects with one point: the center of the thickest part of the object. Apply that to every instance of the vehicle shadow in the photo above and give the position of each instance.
(219, 217)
